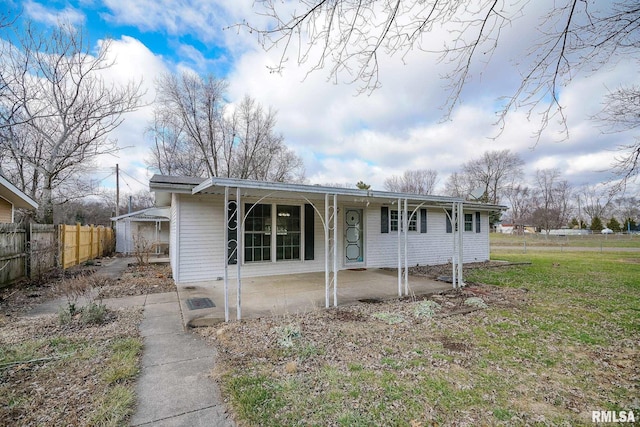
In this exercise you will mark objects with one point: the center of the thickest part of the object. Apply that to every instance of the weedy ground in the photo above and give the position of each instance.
(550, 342)
(77, 367)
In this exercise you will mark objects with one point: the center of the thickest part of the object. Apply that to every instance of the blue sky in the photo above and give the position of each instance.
(343, 137)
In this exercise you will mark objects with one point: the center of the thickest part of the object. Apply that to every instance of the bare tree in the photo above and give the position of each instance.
(492, 172)
(172, 153)
(458, 185)
(519, 197)
(196, 135)
(595, 200)
(190, 106)
(551, 207)
(417, 181)
(347, 37)
(57, 110)
(621, 112)
(260, 153)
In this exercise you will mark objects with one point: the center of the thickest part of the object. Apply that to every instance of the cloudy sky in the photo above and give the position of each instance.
(343, 136)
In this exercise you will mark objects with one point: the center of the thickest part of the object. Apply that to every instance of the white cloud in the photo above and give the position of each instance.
(51, 16)
(132, 62)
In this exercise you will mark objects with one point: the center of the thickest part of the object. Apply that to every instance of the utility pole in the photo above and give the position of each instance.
(117, 190)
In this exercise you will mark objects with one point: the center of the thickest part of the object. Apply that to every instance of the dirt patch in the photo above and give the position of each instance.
(140, 280)
(24, 295)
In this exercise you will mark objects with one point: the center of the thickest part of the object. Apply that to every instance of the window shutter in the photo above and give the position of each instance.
(309, 232)
(448, 218)
(384, 219)
(477, 222)
(423, 220)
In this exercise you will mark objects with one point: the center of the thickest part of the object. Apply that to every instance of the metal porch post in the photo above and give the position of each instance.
(225, 254)
(399, 251)
(460, 242)
(405, 225)
(454, 226)
(326, 250)
(335, 250)
(239, 252)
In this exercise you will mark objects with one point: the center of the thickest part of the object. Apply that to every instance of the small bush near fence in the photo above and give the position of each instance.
(30, 251)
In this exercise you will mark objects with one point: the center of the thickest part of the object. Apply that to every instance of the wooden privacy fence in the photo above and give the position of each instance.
(30, 251)
(82, 243)
(13, 253)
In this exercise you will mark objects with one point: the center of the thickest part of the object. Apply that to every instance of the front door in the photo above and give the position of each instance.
(353, 236)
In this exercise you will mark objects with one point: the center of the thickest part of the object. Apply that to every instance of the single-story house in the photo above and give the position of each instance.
(147, 228)
(225, 228)
(12, 198)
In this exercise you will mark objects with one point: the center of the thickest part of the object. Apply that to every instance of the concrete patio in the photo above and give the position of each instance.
(295, 293)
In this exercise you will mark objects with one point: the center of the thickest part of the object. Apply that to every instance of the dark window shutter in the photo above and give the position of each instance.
(448, 217)
(384, 219)
(309, 232)
(232, 243)
(423, 220)
(477, 222)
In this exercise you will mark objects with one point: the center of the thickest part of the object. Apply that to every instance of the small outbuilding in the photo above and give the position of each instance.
(223, 229)
(11, 198)
(143, 231)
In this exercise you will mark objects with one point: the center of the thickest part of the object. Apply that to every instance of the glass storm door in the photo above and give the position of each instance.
(353, 236)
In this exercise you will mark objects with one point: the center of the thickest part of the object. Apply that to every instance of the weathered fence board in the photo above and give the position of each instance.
(13, 256)
(43, 249)
(32, 251)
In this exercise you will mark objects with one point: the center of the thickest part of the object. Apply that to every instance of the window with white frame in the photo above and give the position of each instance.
(413, 220)
(257, 233)
(258, 227)
(288, 232)
(468, 222)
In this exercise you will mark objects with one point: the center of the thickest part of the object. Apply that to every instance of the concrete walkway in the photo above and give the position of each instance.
(174, 387)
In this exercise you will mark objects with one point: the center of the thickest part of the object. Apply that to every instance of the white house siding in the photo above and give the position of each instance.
(430, 248)
(200, 236)
(173, 237)
(199, 221)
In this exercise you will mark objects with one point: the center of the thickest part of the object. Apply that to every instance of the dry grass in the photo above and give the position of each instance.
(555, 342)
(52, 374)
(81, 371)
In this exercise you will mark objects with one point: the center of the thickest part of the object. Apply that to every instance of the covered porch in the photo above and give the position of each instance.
(337, 282)
(293, 293)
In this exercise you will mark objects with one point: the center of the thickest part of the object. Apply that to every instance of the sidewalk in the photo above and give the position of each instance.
(174, 387)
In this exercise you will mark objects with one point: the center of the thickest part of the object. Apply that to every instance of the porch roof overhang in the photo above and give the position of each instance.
(258, 189)
(149, 214)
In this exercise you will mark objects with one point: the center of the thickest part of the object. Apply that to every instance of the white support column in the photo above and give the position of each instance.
(225, 254)
(405, 226)
(335, 250)
(460, 244)
(399, 250)
(454, 226)
(326, 250)
(239, 253)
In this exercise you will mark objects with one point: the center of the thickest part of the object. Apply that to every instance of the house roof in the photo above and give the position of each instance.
(149, 214)
(252, 188)
(17, 198)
